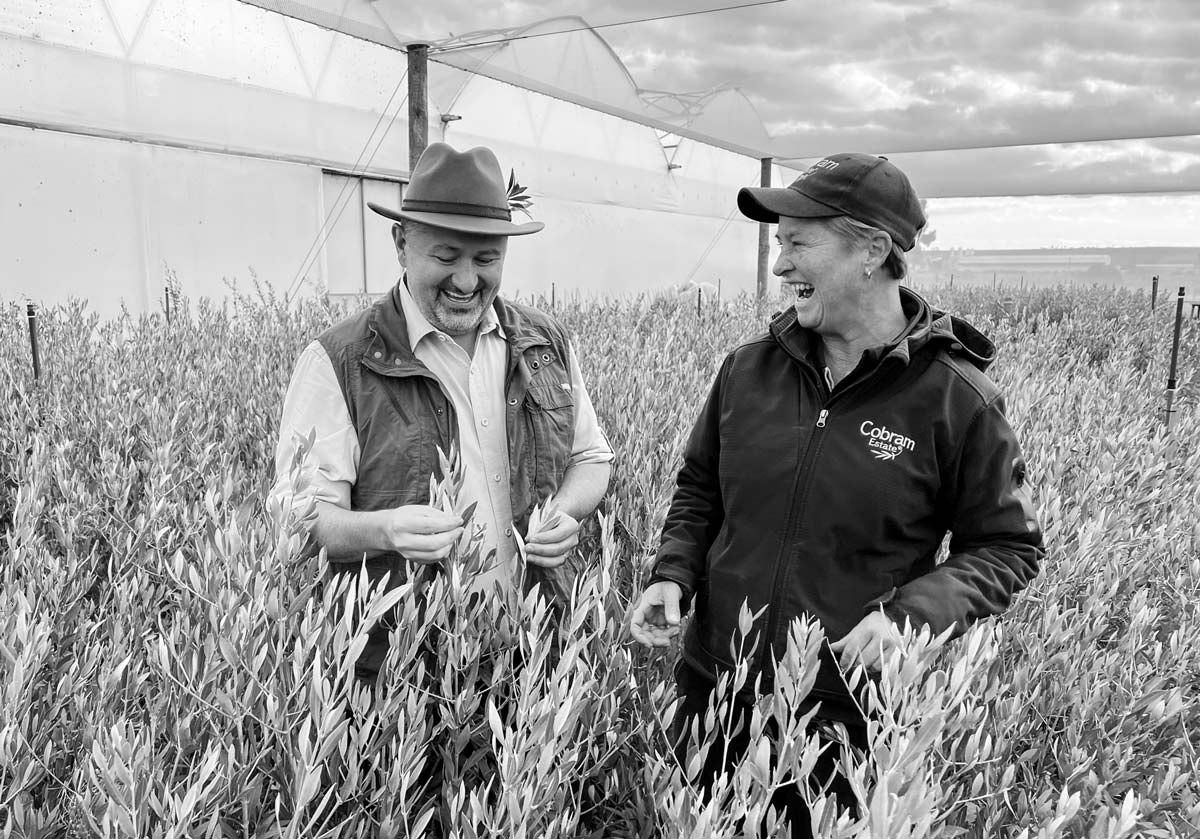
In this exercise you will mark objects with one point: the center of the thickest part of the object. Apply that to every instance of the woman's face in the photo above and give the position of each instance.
(823, 276)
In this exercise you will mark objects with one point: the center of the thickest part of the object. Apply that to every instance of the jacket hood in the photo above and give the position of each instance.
(963, 338)
(925, 325)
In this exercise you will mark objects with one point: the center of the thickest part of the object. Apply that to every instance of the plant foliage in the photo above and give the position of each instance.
(174, 655)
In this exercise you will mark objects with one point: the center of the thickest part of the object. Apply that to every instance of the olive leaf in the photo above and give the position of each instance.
(518, 196)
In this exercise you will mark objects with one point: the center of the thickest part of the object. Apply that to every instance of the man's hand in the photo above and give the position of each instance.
(655, 619)
(423, 534)
(873, 638)
(550, 547)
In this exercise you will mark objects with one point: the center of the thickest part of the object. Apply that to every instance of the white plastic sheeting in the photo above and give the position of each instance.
(106, 220)
(216, 140)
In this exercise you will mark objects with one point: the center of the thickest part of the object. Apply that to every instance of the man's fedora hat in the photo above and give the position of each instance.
(865, 187)
(462, 191)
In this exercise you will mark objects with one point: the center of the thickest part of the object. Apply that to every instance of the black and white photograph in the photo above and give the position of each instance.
(701, 419)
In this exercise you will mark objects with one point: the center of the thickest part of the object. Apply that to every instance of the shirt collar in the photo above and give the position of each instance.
(419, 326)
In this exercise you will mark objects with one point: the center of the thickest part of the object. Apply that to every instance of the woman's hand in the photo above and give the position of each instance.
(655, 619)
(873, 638)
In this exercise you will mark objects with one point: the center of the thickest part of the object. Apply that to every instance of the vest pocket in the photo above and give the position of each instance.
(550, 410)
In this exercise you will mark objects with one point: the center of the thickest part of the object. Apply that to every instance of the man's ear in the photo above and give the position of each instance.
(398, 238)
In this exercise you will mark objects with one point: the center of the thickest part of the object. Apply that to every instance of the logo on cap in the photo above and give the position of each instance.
(819, 166)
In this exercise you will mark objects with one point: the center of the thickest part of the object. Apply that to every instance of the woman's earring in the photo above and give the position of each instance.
(868, 272)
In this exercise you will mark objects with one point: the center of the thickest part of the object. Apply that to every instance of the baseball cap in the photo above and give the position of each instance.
(865, 187)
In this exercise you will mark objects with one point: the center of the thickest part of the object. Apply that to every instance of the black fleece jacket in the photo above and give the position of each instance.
(798, 500)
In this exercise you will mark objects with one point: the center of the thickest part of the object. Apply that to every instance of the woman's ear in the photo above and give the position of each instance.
(878, 250)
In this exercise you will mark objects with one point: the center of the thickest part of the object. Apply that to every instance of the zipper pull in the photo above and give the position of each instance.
(821, 417)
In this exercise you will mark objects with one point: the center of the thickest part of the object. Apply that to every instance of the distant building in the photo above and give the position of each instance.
(1053, 266)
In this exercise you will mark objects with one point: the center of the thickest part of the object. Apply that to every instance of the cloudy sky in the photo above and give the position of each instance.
(988, 79)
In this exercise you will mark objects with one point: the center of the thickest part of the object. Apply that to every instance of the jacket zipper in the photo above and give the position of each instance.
(804, 480)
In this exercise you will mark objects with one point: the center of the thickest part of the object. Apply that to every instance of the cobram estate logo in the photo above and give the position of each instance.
(884, 443)
(819, 166)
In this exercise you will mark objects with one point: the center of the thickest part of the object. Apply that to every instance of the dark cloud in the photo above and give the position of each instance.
(1136, 166)
(901, 75)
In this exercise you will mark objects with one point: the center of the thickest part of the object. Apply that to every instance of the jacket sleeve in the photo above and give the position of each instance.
(697, 510)
(996, 542)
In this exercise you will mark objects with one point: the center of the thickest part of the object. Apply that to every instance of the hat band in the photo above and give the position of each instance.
(454, 208)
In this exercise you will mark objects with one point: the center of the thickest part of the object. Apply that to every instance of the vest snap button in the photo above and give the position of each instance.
(378, 354)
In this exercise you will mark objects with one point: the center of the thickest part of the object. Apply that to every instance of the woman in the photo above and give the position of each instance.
(833, 455)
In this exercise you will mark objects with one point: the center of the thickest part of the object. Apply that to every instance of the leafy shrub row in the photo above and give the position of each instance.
(173, 658)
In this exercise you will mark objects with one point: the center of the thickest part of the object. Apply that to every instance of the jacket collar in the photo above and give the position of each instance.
(925, 325)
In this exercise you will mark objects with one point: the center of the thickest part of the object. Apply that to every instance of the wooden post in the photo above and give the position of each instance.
(418, 101)
(31, 313)
(1153, 292)
(764, 236)
(1172, 383)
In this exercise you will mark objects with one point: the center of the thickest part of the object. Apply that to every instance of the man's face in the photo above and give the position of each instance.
(452, 276)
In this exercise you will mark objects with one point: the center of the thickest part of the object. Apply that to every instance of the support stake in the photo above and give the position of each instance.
(1172, 384)
(418, 101)
(764, 236)
(31, 313)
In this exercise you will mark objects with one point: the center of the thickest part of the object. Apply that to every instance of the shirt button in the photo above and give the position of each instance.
(396, 360)
(484, 422)
(378, 354)
(496, 477)
(508, 531)
(512, 402)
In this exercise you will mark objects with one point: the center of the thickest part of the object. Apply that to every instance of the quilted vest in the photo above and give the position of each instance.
(402, 415)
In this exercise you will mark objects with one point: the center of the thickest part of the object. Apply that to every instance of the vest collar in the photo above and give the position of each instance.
(390, 351)
(519, 333)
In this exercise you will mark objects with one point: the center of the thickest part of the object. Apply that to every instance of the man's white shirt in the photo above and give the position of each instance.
(475, 387)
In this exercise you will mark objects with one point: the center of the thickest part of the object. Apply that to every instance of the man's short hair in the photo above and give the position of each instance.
(413, 228)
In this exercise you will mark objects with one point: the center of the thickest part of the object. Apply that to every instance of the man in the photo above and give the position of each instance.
(443, 361)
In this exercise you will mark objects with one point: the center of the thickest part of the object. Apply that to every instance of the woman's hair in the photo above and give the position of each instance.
(854, 232)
